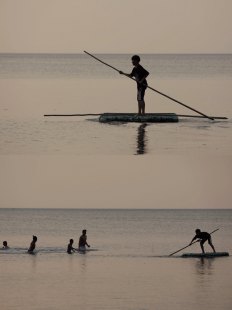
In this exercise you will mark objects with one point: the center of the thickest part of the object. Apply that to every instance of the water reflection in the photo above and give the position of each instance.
(141, 140)
(33, 262)
(204, 266)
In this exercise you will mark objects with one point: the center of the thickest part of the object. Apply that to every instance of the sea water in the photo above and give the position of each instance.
(139, 190)
(128, 268)
(36, 84)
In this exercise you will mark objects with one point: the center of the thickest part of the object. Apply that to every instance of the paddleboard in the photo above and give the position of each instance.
(133, 117)
(207, 255)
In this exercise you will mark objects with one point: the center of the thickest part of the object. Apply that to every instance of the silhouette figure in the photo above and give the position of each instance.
(203, 237)
(32, 245)
(70, 248)
(140, 74)
(5, 246)
(83, 241)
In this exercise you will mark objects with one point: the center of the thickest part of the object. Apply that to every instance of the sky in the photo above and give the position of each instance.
(115, 26)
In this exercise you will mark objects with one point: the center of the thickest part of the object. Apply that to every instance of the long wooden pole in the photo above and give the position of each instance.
(83, 114)
(155, 90)
(98, 114)
(191, 244)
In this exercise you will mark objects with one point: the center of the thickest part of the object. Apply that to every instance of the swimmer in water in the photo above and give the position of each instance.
(5, 246)
(83, 241)
(32, 245)
(70, 248)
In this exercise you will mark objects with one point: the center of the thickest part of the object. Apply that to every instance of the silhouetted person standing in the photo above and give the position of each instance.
(83, 241)
(203, 237)
(32, 245)
(140, 74)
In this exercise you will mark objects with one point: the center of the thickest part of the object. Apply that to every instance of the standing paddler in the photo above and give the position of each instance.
(140, 75)
(203, 236)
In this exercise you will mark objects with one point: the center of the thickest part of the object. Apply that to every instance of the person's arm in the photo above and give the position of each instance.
(126, 74)
(194, 238)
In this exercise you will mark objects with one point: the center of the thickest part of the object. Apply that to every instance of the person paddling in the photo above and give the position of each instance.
(32, 245)
(83, 241)
(203, 237)
(140, 75)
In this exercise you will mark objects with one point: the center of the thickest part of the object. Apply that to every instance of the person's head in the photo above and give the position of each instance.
(34, 238)
(197, 231)
(135, 60)
(84, 231)
(71, 241)
(4, 243)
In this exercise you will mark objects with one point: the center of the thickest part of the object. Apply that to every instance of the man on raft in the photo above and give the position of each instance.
(203, 236)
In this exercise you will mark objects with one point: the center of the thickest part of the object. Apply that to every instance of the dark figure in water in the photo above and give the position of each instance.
(140, 74)
(83, 241)
(70, 248)
(32, 245)
(203, 236)
(5, 246)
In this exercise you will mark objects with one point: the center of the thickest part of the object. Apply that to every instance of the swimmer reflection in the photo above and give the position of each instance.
(141, 140)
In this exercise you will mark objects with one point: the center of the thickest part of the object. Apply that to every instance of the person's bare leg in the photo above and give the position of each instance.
(143, 107)
(211, 244)
(202, 248)
(139, 108)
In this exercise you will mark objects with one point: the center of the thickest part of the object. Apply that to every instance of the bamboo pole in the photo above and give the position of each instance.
(155, 90)
(191, 243)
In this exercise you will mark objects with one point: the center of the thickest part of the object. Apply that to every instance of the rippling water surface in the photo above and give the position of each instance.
(108, 171)
(128, 267)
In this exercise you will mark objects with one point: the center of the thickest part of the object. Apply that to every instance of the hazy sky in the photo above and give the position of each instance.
(116, 26)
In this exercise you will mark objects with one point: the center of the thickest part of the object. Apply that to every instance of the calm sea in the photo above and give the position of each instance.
(128, 267)
(33, 85)
(82, 66)
(139, 190)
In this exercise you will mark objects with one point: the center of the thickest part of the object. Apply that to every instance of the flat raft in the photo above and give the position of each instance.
(206, 255)
(135, 118)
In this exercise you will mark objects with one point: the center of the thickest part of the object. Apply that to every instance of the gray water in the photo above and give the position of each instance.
(131, 233)
(128, 267)
(140, 191)
(82, 66)
(36, 84)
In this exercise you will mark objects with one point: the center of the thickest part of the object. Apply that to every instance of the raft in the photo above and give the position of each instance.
(135, 118)
(206, 255)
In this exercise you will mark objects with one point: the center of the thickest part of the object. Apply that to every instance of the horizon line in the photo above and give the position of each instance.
(119, 53)
(118, 209)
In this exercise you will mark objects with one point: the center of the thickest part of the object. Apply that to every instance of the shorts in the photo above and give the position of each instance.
(206, 239)
(141, 93)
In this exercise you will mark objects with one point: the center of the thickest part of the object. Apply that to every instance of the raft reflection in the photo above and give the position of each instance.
(141, 139)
